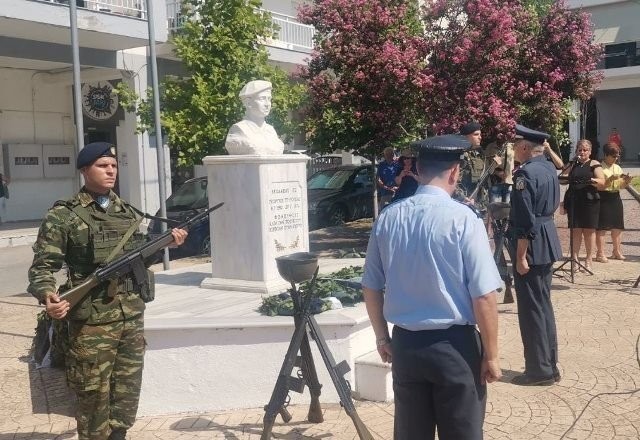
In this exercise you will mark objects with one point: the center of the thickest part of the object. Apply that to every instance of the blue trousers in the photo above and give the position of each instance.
(537, 321)
(436, 384)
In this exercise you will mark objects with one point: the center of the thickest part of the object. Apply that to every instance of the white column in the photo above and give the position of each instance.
(264, 217)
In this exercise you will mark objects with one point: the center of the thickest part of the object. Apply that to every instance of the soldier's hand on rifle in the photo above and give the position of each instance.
(497, 159)
(179, 236)
(55, 308)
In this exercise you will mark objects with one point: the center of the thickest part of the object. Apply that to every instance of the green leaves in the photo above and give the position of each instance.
(221, 46)
(326, 286)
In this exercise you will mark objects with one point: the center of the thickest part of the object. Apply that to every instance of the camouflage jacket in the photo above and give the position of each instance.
(470, 172)
(65, 238)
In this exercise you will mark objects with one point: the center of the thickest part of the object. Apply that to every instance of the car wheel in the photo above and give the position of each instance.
(337, 216)
(205, 247)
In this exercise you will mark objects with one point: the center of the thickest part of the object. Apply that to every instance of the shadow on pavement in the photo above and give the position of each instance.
(196, 424)
(49, 391)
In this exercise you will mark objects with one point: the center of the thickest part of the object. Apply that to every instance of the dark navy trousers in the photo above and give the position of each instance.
(537, 321)
(436, 384)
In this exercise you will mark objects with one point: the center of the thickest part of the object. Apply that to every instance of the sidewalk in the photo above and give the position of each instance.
(18, 233)
(598, 327)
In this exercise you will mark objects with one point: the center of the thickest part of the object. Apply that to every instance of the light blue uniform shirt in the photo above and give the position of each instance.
(431, 255)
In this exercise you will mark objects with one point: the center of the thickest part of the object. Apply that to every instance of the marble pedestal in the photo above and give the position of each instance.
(264, 217)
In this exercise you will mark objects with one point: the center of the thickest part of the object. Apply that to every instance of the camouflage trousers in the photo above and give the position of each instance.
(104, 368)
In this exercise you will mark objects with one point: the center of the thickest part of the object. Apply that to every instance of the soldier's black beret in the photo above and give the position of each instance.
(528, 134)
(94, 150)
(470, 127)
(449, 147)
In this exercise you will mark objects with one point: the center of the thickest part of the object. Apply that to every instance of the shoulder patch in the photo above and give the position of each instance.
(520, 183)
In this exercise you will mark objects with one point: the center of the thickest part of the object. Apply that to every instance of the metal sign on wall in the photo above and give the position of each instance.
(99, 102)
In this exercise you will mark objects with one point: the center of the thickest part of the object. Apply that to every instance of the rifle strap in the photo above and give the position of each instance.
(124, 239)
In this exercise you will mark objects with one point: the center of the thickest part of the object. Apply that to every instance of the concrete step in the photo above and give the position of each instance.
(373, 378)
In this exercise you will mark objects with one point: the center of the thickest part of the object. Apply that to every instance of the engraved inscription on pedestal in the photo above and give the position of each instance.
(285, 217)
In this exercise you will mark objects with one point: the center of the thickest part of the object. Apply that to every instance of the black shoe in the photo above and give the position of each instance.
(118, 434)
(556, 376)
(526, 380)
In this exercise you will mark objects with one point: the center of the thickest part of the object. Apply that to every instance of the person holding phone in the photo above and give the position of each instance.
(611, 210)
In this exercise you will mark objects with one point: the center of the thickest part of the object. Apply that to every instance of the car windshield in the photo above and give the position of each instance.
(329, 179)
(191, 195)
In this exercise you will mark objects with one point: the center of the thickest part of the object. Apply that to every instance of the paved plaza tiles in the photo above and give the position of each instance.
(598, 325)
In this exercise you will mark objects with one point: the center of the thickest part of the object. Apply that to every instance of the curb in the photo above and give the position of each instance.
(20, 240)
(634, 193)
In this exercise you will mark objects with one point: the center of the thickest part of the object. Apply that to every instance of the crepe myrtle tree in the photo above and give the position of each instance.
(502, 61)
(221, 46)
(365, 78)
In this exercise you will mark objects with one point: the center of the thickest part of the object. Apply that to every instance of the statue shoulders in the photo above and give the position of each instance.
(245, 137)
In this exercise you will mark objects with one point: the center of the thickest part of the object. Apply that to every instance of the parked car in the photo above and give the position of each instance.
(188, 200)
(338, 195)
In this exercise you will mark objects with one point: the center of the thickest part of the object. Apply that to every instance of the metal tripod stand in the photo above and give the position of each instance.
(571, 261)
(499, 212)
(297, 268)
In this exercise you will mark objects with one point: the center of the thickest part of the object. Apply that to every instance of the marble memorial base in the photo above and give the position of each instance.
(264, 217)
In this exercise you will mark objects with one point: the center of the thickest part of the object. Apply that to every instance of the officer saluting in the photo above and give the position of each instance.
(106, 329)
(536, 247)
(430, 272)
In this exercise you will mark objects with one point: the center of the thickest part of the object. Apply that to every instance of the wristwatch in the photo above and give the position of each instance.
(383, 341)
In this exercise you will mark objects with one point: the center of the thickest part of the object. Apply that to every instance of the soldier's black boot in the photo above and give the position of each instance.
(118, 434)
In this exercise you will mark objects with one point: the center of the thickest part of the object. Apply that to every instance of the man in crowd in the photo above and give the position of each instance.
(535, 247)
(430, 256)
(105, 329)
(386, 175)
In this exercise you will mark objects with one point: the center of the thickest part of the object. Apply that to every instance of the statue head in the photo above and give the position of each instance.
(256, 98)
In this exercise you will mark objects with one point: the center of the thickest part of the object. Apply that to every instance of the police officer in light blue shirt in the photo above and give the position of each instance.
(430, 272)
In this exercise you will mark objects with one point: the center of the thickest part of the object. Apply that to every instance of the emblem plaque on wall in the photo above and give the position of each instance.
(99, 102)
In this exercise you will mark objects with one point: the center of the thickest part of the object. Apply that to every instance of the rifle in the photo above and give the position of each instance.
(130, 262)
(285, 382)
(488, 171)
(337, 372)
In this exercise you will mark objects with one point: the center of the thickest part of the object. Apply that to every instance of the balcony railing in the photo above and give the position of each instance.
(130, 8)
(620, 55)
(290, 33)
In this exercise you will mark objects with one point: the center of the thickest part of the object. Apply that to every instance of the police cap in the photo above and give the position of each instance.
(450, 147)
(94, 150)
(470, 127)
(528, 134)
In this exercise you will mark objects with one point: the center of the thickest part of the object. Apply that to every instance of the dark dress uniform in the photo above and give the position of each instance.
(535, 198)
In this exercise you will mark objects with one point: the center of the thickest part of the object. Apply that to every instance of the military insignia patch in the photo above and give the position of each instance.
(112, 150)
(520, 183)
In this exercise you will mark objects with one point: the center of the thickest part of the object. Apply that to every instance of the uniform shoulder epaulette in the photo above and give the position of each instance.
(69, 203)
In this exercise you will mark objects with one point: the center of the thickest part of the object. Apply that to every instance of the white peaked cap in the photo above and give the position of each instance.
(254, 87)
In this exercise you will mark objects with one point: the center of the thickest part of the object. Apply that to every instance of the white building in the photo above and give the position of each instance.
(616, 101)
(37, 128)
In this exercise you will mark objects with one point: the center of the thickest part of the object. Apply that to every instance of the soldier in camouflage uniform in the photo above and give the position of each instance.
(105, 330)
(473, 165)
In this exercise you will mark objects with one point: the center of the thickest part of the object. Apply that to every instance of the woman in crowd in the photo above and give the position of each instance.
(611, 212)
(582, 201)
(406, 176)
